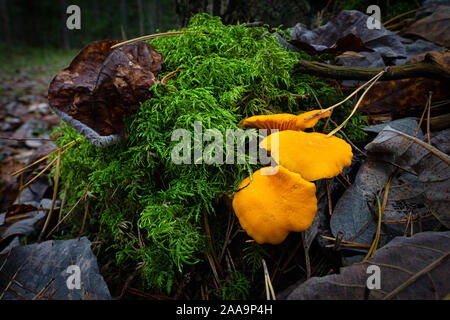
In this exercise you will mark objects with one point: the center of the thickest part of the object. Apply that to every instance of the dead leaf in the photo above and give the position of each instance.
(9, 185)
(430, 164)
(349, 25)
(102, 86)
(410, 268)
(434, 28)
(400, 97)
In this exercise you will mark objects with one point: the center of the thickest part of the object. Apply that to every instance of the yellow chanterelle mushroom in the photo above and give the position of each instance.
(313, 155)
(285, 121)
(271, 206)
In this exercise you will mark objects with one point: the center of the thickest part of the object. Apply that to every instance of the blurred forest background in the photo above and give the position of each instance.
(31, 23)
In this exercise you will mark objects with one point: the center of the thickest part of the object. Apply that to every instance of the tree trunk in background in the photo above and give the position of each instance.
(123, 16)
(6, 30)
(65, 31)
(140, 17)
(151, 14)
(274, 13)
(217, 4)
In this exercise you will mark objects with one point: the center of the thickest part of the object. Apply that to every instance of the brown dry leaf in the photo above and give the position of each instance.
(102, 86)
(399, 97)
(9, 185)
(430, 164)
(434, 28)
(410, 268)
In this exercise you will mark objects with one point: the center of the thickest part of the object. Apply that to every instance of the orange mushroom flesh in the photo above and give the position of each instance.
(271, 206)
(285, 121)
(313, 155)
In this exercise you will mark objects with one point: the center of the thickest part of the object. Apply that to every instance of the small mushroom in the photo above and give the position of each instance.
(313, 155)
(284, 121)
(270, 206)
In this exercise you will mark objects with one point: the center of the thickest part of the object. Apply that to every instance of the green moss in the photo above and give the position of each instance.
(149, 210)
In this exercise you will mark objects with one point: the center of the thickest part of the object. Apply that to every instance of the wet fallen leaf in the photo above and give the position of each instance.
(410, 268)
(431, 165)
(434, 28)
(102, 86)
(356, 214)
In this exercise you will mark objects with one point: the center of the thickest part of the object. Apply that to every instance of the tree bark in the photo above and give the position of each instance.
(123, 16)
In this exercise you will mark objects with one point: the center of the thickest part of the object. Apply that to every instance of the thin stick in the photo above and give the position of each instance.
(169, 75)
(70, 211)
(427, 146)
(423, 115)
(351, 95)
(63, 200)
(45, 169)
(270, 293)
(15, 274)
(86, 207)
(407, 223)
(43, 290)
(330, 205)
(381, 208)
(151, 36)
(348, 243)
(428, 119)
(55, 193)
(357, 105)
(44, 157)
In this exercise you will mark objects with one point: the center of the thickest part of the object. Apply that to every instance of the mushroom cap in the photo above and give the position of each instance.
(285, 121)
(313, 155)
(271, 206)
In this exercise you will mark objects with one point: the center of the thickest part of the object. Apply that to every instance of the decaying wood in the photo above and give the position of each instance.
(428, 68)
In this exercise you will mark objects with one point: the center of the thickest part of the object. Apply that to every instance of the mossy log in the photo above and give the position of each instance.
(428, 68)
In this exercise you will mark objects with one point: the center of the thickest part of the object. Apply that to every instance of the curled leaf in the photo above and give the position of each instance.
(102, 86)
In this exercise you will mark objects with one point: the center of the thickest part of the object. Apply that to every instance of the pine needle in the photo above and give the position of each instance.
(270, 293)
(55, 193)
(378, 76)
(44, 157)
(151, 36)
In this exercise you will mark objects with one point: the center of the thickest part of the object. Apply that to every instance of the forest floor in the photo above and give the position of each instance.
(26, 120)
